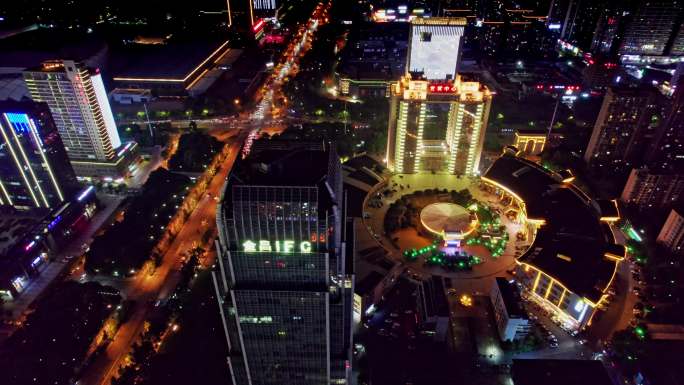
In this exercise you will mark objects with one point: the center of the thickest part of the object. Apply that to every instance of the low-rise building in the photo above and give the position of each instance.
(511, 320)
(29, 240)
(171, 69)
(530, 142)
(131, 95)
(374, 57)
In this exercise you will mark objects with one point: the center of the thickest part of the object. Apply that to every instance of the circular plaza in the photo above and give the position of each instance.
(442, 225)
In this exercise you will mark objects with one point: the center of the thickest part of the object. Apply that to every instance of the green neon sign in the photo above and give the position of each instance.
(266, 246)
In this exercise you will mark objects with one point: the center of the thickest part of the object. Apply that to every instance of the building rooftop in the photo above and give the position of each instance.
(299, 167)
(162, 61)
(511, 298)
(12, 87)
(280, 163)
(30, 49)
(559, 372)
(573, 245)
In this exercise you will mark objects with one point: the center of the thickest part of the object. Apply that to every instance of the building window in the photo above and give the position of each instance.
(426, 36)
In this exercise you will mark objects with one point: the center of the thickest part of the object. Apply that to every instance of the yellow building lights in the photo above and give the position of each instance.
(175, 80)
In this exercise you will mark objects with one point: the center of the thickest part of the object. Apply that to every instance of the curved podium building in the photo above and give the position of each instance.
(573, 256)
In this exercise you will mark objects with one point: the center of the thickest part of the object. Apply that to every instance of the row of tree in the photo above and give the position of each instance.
(128, 244)
(53, 342)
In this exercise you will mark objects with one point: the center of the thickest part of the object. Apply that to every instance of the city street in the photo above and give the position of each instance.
(145, 289)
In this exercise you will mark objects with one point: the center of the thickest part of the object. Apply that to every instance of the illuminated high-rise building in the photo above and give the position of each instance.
(437, 120)
(80, 108)
(435, 46)
(283, 279)
(34, 168)
(667, 148)
(653, 26)
(437, 127)
(625, 125)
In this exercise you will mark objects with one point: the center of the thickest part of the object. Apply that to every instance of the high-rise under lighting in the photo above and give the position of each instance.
(78, 102)
(283, 280)
(34, 168)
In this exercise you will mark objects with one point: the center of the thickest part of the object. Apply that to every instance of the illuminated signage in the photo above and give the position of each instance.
(266, 246)
(20, 122)
(442, 88)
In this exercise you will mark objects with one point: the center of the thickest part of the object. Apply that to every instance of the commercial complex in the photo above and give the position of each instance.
(672, 233)
(34, 168)
(652, 189)
(572, 256)
(29, 240)
(511, 320)
(80, 108)
(624, 127)
(284, 278)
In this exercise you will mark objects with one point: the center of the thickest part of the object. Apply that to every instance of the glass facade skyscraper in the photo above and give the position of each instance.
(34, 169)
(284, 284)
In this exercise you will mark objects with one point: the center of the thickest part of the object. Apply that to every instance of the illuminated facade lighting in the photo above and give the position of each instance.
(79, 106)
(278, 269)
(36, 170)
(529, 143)
(437, 126)
(543, 286)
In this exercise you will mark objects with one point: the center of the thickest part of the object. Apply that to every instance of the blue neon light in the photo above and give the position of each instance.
(85, 193)
(19, 121)
(54, 222)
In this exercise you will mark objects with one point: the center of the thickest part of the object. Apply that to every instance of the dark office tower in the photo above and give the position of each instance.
(240, 14)
(667, 149)
(578, 19)
(34, 169)
(625, 125)
(608, 28)
(652, 27)
(284, 282)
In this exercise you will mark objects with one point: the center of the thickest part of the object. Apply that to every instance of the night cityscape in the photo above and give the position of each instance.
(328, 192)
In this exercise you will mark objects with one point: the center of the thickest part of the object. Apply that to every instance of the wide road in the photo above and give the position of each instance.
(145, 289)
